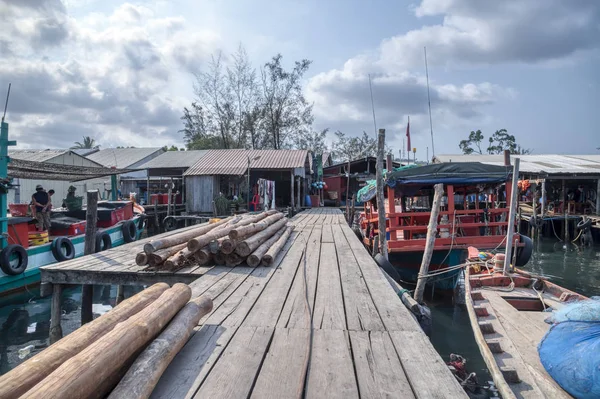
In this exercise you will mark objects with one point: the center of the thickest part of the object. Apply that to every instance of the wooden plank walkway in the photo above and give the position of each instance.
(323, 322)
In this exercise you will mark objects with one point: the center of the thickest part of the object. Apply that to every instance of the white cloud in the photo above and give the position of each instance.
(112, 76)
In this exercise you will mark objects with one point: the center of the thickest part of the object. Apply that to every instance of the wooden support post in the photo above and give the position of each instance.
(292, 190)
(565, 212)
(380, 198)
(87, 291)
(598, 197)
(389, 165)
(298, 200)
(169, 199)
(120, 294)
(534, 210)
(156, 220)
(543, 205)
(56, 313)
(510, 230)
(348, 191)
(429, 244)
(147, 187)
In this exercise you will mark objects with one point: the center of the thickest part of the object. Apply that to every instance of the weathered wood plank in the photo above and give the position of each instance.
(392, 312)
(327, 236)
(330, 374)
(268, 307)
(283, 372)
(189, 368)
(235, 372)
(427, 373)
(378, 368)
(361, 313)
(295, 313)
(329, 305)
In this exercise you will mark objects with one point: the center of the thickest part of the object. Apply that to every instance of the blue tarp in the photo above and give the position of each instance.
(570, 351)
(368, 192)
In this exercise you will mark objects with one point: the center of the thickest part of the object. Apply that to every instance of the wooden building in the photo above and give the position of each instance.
(226, 172)
(336, 178)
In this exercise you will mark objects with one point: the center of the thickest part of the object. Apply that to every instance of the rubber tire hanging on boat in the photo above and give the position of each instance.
(170, 223)
(103, 241)
(536, 222)
(524, 252)
(388, 267)
(5, 255)
(57, 249)
(142, 222)
(584, 224)
(129, 230)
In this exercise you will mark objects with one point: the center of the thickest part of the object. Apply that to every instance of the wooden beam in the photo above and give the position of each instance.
(431, 234)
(512, 213)
(55, 314)
(380, 197)
(389, 165)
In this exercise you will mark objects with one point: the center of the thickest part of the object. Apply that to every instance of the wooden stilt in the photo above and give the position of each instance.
(514, 200)
(55, 314)
(87, 294)
(429, 244)
(565, 213)
(120, 294)
(380, 198)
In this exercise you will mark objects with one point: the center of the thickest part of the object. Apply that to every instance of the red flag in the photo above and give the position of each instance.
(408, 148)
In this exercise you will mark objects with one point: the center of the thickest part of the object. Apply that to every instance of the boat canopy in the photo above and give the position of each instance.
(457, 173)
(18, 168)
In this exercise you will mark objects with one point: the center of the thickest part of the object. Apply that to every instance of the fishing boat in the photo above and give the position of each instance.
(508, 313)
(23, 250)
(474, 212)
(27, 249)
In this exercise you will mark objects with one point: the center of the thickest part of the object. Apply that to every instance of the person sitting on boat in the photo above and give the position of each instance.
(41, 199)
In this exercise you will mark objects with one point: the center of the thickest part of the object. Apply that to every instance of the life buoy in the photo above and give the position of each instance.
(63, 249)
(13, 260)
(129, 230)
(524, 252)
(103, 241)
(584, 224)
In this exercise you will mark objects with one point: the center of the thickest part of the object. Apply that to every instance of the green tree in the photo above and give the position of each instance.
(312, 141)
(87, 143)
(350, 148)
(497, 143)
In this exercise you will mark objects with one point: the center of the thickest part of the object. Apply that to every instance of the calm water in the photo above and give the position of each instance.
(572, 267)
(25, 318)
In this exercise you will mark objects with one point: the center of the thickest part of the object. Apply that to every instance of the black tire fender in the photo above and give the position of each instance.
(524, 252)
(103, 241)
(170, 223)
(63, 249)
(536, 222)
(584, 224)
(387, 267)
(5, 260)
(129, 230)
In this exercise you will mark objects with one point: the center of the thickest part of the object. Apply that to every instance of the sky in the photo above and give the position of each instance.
(121, 72)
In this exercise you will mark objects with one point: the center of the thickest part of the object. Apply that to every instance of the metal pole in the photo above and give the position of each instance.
(380, 199)
(511, 216)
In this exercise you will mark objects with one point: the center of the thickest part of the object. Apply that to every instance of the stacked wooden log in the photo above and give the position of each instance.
(91, 361)
(255, 239)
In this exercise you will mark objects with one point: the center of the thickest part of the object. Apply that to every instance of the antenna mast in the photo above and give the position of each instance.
(429, 103)
(372, 105)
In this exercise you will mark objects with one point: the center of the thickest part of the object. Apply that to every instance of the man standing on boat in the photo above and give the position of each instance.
(41, 200)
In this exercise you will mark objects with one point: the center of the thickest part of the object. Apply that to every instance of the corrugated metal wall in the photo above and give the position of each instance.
(200, 192)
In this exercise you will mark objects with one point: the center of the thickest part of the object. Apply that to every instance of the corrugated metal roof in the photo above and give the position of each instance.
(539, 164)
(174, 159)
(235, 162)
(36, 155)
(85, 151)
(123, 157)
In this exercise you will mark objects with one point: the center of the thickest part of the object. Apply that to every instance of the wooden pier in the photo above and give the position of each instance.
(322, 322)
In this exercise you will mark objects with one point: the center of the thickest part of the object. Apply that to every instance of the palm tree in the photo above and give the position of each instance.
(88, 143)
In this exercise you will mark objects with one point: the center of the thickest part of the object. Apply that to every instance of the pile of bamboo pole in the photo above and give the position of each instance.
(138, 338)
(254, 239)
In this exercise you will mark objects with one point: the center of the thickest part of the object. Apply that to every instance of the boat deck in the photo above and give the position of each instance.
(514, 335)
(323, 322)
